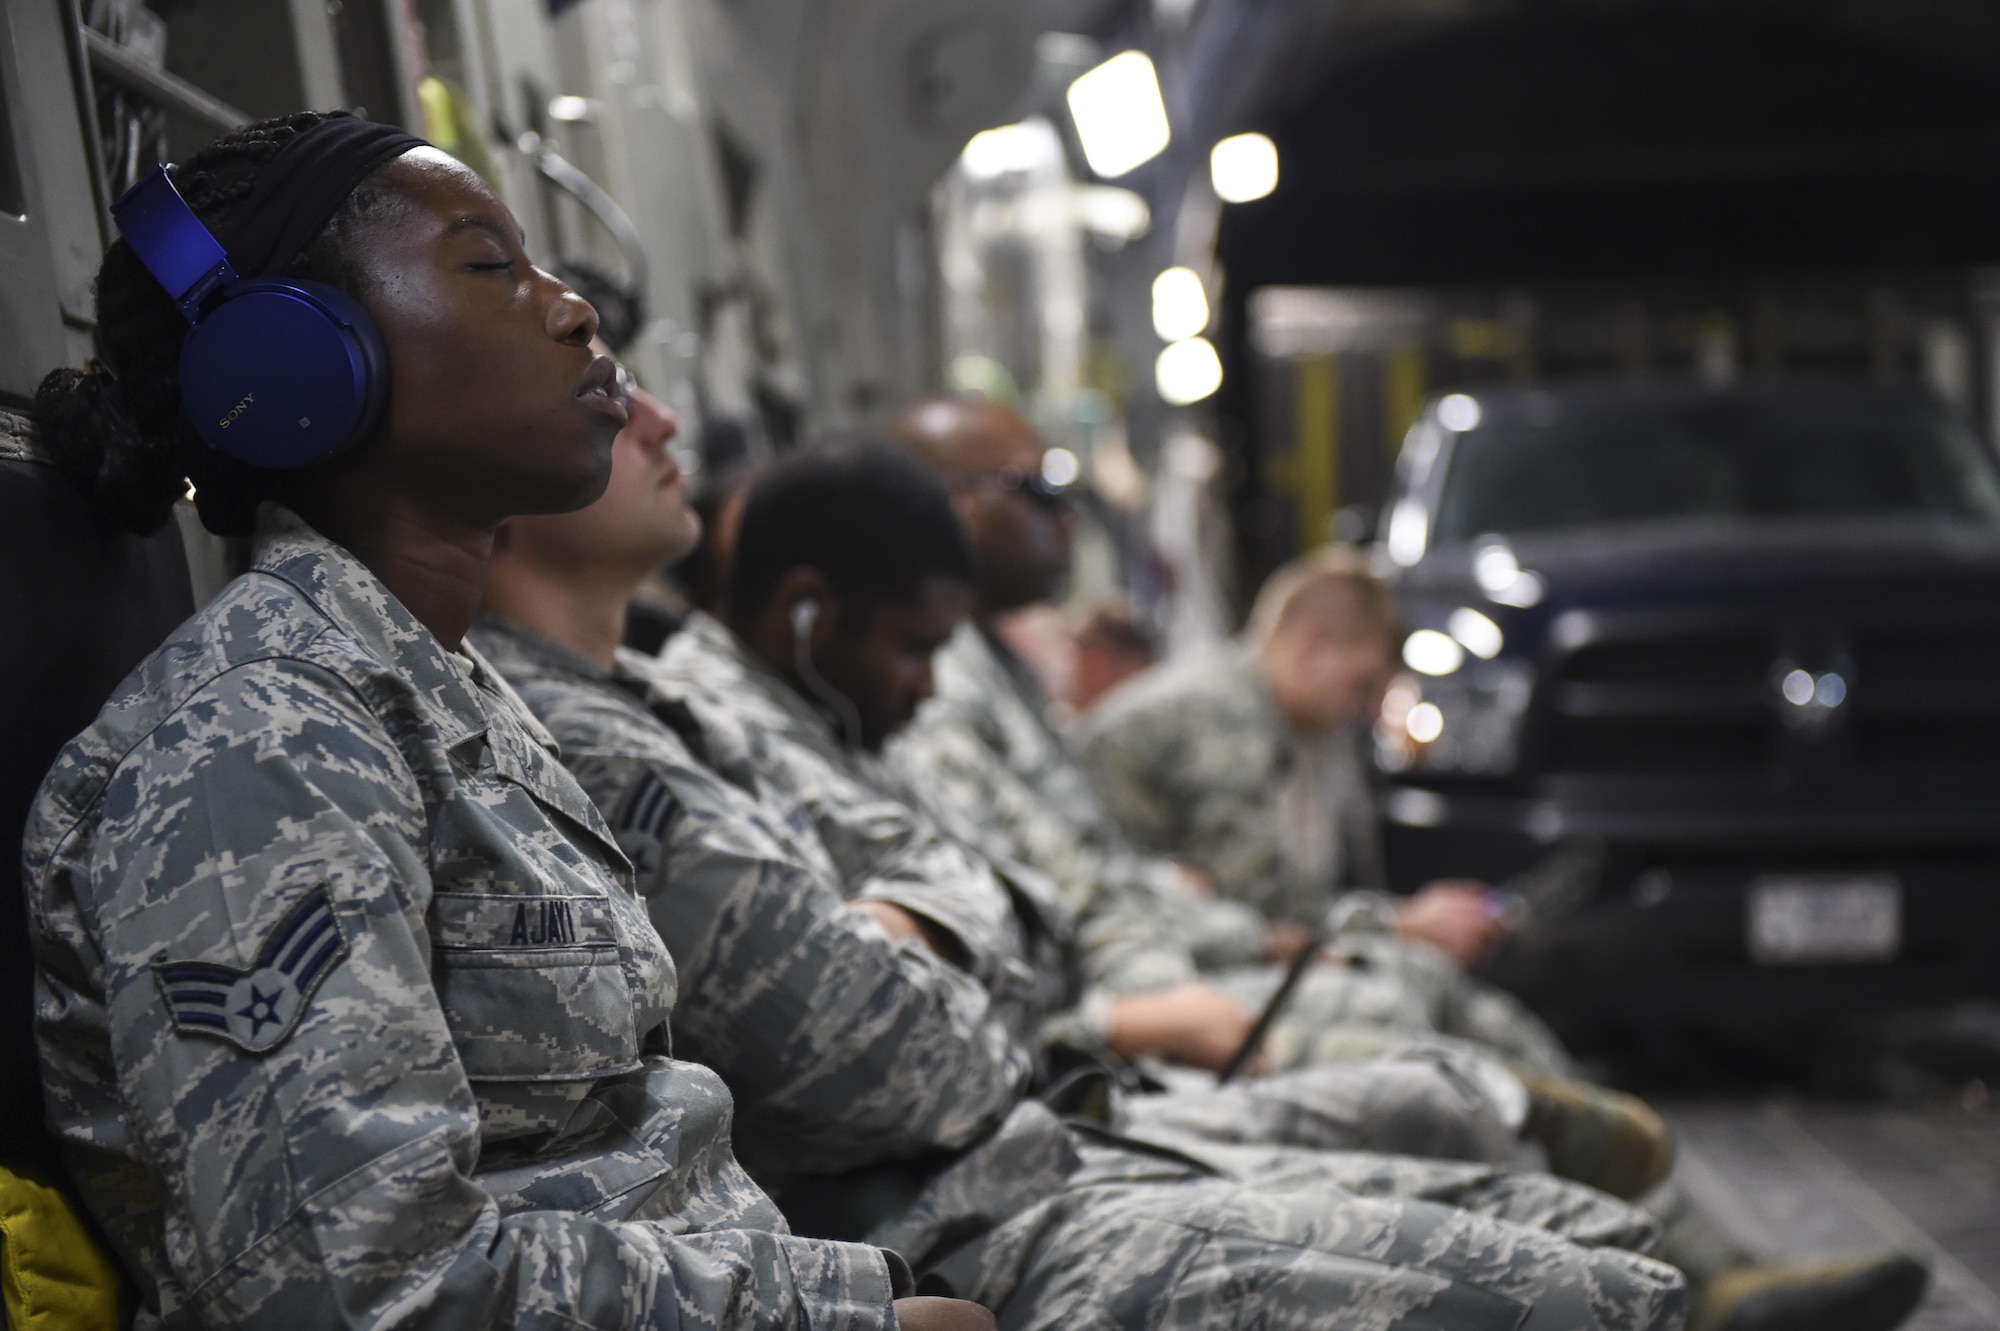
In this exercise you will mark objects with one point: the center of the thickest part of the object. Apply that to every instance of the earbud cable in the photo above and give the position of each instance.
(839, 703)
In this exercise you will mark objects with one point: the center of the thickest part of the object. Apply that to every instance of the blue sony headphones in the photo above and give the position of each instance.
(275, 374)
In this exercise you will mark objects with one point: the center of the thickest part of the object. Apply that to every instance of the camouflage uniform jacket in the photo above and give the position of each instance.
(886, 841)
(984, 747)
(347, 1016)
(1190, 758)
(801, 1002)
(1056, 1222)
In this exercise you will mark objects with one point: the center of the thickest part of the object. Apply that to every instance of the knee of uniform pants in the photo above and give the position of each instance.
(1498, 1021)
(1416, 1103)
(1197, 1255)
(1479, 1073)
(1402, 1105)
(1566, 1284)
(1305, 1288)
(1578, 1213)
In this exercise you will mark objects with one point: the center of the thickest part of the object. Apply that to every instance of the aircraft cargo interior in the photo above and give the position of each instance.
(976, 664)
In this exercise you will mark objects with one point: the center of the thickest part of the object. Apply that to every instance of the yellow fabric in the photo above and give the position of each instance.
(451, 123)
(52, 1276)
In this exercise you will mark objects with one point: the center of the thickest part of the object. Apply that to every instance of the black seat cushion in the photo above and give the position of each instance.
(78, 609)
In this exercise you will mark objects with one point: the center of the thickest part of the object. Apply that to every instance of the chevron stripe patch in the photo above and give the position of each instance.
(257, 1010)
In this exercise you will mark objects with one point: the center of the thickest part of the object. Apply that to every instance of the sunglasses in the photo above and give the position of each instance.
(1009, 480)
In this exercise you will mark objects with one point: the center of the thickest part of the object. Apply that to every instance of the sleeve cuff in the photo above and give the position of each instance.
(1362, 911)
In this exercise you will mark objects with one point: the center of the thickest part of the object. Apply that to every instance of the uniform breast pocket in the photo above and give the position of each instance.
(532, 986)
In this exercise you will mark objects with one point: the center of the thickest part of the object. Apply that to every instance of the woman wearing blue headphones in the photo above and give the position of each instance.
(347, 1015)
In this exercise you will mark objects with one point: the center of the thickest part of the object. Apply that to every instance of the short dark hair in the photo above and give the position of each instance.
(861, 510)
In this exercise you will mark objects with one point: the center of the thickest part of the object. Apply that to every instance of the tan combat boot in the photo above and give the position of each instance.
(1856, 1294)
(1612, 1141)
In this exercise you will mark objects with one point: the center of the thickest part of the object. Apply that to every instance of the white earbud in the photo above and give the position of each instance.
(804, 615)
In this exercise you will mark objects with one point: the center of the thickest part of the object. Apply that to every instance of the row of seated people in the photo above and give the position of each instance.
(406, 951)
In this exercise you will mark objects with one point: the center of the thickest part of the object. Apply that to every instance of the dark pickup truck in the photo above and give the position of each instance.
(1734, 651)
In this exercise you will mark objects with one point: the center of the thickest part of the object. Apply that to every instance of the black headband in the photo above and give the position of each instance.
(300, 190)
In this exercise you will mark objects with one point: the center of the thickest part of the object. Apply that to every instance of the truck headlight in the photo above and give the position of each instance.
(1465, 723)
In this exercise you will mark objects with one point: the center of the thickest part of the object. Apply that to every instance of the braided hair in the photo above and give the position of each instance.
(117, 429)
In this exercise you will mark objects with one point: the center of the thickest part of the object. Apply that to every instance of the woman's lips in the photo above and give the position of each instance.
(599, 390)
(606, 402)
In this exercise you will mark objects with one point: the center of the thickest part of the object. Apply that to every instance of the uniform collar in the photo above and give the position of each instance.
(519, 652)
(361, 606)
(719, 643)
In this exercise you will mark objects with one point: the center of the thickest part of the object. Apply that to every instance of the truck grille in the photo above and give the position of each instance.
(1641, 695)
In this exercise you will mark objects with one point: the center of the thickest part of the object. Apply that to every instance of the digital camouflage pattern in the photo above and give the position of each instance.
(1057, 1223)
(761, 735)
(802, 1002)
(1188, 757)
(440, 1094)
(1007, 921)
(984, 748)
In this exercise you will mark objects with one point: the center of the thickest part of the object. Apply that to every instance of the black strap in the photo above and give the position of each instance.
(1273, 1009)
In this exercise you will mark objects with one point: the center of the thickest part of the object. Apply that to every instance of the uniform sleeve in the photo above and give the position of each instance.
(887, 850)
(843, 1046)
(236, 998)
(1193, 783)
(1124, 942)
(1121, 750)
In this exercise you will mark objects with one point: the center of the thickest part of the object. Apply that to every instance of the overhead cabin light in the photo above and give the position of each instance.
(1180, 304)
(1500, 575)
(1459, 412)
(992, 153)
(1429, 652)
(1113, 213)
(1187, 371)
(1060, 468)
(1524, 592)
(1243, 167)
(1425, 723)
(1475, 632)
(1120, 116)
(1409, 532)
(1495, 568)
(571, 110)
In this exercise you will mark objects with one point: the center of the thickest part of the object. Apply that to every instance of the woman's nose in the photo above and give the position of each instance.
(570, 318)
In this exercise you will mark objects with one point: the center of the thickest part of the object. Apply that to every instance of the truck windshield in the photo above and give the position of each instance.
(1557, 463)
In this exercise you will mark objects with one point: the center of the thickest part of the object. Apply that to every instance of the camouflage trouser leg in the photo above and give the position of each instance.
(1520, 1197)
(1329, 1002)
(1693, 1239)
(1418, 1097)
(1394, 985)
(1200, 1253)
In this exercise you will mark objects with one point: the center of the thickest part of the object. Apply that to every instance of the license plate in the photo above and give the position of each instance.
(1815, 919)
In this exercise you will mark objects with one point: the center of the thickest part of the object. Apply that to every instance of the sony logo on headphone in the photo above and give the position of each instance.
(238, 410)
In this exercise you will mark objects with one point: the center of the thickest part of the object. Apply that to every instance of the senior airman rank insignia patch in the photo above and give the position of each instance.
(256, 1010)
(643, 823)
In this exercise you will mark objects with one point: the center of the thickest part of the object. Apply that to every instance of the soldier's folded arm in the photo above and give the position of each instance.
(295, 1088)
(801, 999)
